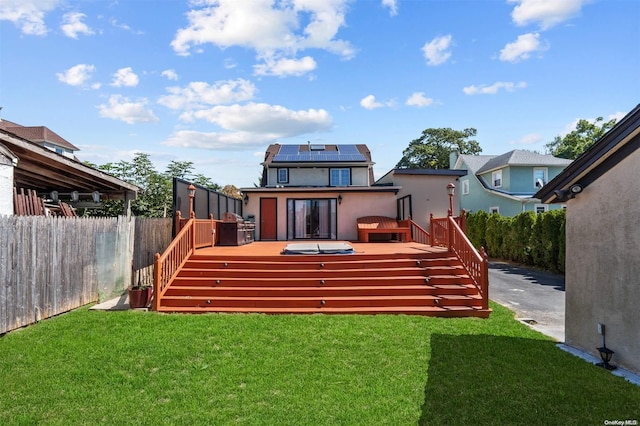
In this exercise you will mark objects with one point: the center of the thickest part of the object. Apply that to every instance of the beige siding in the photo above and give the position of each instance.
(316, 176)
(602, 267)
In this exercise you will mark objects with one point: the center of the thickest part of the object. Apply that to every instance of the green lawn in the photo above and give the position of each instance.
(93, 367)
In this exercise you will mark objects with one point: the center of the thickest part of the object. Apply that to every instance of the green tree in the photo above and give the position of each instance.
(578, 140)
(432, 149)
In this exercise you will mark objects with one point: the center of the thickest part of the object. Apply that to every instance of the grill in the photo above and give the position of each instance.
(235, 231)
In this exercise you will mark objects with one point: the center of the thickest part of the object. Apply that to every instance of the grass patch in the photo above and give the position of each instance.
(92, 367)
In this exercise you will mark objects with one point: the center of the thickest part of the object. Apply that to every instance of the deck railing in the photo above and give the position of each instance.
(419, 234)
(474, 262)
(193, 233)
(438, 230)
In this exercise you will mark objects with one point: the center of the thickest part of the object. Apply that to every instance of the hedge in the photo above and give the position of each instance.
(528, 238)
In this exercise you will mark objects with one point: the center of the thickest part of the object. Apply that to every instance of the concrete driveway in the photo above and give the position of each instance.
(536, 297)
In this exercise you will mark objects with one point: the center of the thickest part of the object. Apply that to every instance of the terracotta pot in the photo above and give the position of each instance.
(139, 297)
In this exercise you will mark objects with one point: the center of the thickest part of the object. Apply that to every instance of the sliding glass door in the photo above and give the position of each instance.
(311, 219)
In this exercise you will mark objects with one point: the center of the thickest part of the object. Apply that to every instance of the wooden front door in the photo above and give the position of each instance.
(268, 219)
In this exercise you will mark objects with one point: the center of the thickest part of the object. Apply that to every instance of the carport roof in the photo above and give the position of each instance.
(43, 170)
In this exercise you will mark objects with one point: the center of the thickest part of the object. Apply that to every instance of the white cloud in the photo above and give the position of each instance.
(522, 48)
(249, 126)
(392, 5)
(494, 88)
(72, 25)
(265, 119)
(121, 108)
(437, 51)
(125, 77)
(231, 141)
(77, 75)
(283, 28)
(28, 15)
(170, 74)
(528, 139)
(369, 102)
(418, 99)
(285, 67)
(547, 13)
(199, 94)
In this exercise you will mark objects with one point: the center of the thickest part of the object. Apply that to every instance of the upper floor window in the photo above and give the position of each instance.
(496, 178)
(340, 177)
(283, 175)
(495, 209)
(465, 187)
(540, 176)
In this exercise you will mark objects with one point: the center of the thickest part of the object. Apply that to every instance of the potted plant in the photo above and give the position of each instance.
(140, 295)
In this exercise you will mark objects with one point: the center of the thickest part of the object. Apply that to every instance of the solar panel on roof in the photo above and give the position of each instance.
(348, 149)
(291, 153)
(288, 149)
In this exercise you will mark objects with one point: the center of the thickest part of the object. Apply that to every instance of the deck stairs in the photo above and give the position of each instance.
(433, 284)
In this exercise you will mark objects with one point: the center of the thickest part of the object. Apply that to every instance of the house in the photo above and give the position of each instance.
(47, 165)
(8, 161)
(423, 192)
(506, 183)
(316, 191)
(42, 136)
(601, 192)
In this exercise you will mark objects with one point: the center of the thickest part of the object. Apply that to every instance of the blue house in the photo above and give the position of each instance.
(506, 183)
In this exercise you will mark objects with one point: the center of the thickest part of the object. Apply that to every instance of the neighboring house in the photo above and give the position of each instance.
(314, 191)
(601, 191)
(42, 136)
(424, 192)
(48, 166)
(8, 161)
(506, 183)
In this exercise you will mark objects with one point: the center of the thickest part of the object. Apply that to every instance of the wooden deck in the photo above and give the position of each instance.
(273, 248)
(379, 278)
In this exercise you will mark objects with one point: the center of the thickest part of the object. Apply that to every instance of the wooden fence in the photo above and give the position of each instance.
(50, 265)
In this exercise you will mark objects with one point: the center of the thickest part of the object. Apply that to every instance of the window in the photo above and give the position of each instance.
(311, 219)
(340, 177)
(493, 210)
(465, 187)
(539, 177)
(541, 208)
(283, 175)
(496, 178)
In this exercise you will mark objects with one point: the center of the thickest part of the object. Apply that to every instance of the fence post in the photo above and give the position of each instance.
(431, 229)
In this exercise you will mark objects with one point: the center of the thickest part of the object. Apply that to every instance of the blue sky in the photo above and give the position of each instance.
(215, 82)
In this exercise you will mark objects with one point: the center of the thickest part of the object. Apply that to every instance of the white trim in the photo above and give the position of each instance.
(465, 187)
(496, 177)
(545, 176)
(545, 208)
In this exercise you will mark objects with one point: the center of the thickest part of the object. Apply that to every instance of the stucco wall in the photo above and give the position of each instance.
(603, 264)
(428, 195)
(6, 189)
(317, 176)
(353, 206)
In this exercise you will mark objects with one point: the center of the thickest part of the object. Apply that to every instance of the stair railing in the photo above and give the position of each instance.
(439, 231)
(476, 263)
(168, 264)
(419, 234)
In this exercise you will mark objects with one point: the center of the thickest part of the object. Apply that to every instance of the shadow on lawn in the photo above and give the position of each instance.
(485, 379)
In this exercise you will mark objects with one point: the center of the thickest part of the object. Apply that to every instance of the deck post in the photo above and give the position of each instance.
(156, 282)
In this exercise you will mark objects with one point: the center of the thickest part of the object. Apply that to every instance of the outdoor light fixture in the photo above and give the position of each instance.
(451, 189)
(606, 354)
(246, 199)
(75, 196)
(192, 195)
(54, 196)
(95, 195)
(340, 199)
